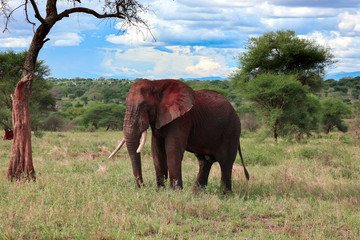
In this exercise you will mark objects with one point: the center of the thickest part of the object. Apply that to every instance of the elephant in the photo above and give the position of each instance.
(202, 122)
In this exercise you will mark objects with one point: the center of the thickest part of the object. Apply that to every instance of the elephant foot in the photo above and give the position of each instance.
(176, 184)
(225, 189)
(139, 182)
(198, 188)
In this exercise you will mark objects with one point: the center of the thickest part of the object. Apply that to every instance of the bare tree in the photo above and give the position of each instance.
(128, 11)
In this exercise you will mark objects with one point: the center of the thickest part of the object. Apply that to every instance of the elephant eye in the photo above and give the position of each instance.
(143, 105)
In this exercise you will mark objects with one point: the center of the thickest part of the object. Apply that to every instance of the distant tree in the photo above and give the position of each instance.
(10, 73)
(54, 122)
(75, 112)
(79, 92)
(342, 89)
(84, 99)
(42, 103)
(21, 164)
(72, 96)
(109, 94)
(283, 52)
(78, 105)
(278, 98)
(305, 118)
(356, 107)
(56, 91)
(355, 93)
(333, 112)
(109, 116)
(330, 83)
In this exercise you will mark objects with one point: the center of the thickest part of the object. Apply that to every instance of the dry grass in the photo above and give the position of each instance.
(303, 191)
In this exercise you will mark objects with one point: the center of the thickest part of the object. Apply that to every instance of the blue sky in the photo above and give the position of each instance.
(194, 39)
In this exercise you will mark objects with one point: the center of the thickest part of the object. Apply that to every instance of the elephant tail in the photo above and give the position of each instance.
(242, 161)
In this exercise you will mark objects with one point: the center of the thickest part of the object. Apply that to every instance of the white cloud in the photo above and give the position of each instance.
(346, 49)
(347, 65)
(14, 42)
(176, 62)
(269, 10)
(67, 39)
(219, 3)
(349, 23)
(341, 46)
(204, 67)
(132, 37)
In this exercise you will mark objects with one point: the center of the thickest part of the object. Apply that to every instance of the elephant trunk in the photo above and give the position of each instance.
(134, 146)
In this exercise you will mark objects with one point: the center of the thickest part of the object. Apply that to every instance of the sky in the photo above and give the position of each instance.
(188, 39)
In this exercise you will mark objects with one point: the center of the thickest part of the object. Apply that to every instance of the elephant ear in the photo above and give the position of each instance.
(177, 98)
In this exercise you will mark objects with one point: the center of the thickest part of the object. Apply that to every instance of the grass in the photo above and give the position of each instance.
(296, 191)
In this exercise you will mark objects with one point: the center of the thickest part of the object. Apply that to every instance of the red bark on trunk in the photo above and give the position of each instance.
(21, 165)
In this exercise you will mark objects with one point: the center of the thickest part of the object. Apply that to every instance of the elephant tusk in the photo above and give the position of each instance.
(142, 141)
(117, 148)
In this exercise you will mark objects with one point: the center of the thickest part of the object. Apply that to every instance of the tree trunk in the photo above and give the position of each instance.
(21, 165)
(275, 136)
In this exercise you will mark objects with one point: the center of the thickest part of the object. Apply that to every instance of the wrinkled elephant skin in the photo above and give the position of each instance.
(202, 122)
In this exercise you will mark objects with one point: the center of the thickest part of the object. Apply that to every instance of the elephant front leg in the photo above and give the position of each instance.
(175, 152)
(159, 158)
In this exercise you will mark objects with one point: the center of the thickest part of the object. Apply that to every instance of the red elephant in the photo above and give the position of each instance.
(202, 122)
(9, 135)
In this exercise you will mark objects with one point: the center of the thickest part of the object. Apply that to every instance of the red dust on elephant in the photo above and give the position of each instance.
(202, 122)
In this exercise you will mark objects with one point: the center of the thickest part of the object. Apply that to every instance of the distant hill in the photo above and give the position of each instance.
(206, 78)
(338, 76)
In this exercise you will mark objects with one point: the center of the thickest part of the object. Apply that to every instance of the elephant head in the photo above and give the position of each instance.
(155, 104)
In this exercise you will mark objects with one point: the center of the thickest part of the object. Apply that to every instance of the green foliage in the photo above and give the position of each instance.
(347, 89)
(355, 93)
(41, 102)
(283, 52)
(333, 111)
(330, 83)
(220, 86)
(283, 103)
(342, 89)
(104, 115)
(356, 107)
(55, 122)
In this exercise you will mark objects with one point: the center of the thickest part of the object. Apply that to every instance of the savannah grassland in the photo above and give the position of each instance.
(308, 190)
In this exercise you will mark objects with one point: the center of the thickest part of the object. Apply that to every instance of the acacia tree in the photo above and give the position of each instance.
(283, 52)
(277, 72)
(279, 100)
(333, 112)
(21, 164)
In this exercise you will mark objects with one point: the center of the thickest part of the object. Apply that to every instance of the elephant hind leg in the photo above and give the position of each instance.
(226, 162)
(226, 172)
(204, 169)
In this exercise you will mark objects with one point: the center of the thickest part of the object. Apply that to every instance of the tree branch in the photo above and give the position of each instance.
(37, 13)
(67, 12)
(9, 16)
(27, 16)
(30, 75)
